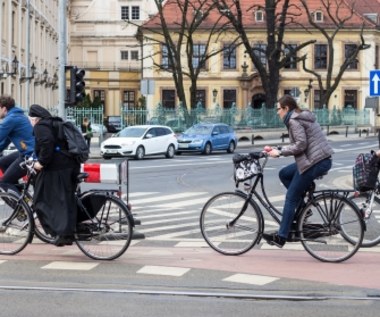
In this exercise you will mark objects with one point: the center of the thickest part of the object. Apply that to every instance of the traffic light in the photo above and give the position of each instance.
(77, 85)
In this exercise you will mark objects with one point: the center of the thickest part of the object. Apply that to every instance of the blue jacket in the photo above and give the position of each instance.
(17, 129)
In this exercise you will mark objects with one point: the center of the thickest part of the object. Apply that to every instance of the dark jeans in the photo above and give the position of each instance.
(296, 184)
(12, 172)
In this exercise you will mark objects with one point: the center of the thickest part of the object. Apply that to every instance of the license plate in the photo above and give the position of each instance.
(111, 151)
(182, 146)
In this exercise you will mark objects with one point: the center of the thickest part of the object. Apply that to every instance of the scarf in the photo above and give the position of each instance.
(287, 118)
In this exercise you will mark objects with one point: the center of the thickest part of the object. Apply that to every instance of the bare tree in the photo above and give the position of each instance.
(338, 20)
(279, 15)
(177, 35)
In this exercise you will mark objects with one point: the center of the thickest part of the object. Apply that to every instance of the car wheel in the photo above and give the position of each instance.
(170, 152)
(231, 147)
(207, 150)
(140, 153)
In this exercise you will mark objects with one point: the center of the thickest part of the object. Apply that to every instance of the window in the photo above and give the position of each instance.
(260, 51)
(259, 16)
(349, 51)
(129, 98)
(135, 13)
(135, 55)
(201, 98)
(168, 98)
(317, 99)
(101, 96)
(351, 98)
(294, 92)
(229, 97)
(320, 56)
(318, 16)
(124, 55)
(229, 56)
(125, 12)
(199, 55)
(290, 50)
(165, 61)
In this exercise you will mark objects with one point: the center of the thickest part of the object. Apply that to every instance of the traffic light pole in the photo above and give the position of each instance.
(62, 43)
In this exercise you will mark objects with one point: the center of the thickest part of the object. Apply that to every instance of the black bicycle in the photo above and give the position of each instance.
(329, 226)
(104, 228)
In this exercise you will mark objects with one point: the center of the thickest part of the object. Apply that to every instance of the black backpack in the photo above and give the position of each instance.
(74, 143)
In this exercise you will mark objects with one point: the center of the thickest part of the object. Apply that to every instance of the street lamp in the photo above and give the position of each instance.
(308, 89)
(13, 72)
(215, 94)
(32, 71)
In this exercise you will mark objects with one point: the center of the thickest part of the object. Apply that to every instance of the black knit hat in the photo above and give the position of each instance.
(39, 112)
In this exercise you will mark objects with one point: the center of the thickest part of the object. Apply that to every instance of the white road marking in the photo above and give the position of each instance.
(62, 265)
(251, 279)
(163, 270)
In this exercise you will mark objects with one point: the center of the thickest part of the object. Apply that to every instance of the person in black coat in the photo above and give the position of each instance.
(54, 191)
(86, 130)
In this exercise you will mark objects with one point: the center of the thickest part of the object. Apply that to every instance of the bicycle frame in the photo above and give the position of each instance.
(263, 199)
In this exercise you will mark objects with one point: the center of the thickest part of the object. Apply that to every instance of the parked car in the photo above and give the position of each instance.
(207, 137)
(98, 128)
(139, 141)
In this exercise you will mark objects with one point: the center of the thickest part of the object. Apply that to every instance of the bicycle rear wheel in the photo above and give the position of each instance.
(106, 234)
(220, 234)
(371, 220)
(16, 224)
(324, 224)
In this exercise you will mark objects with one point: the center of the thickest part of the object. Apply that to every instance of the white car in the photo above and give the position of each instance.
(139, 141)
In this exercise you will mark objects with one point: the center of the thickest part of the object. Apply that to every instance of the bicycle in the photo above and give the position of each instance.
(104, 229)
(328, 225)
(369, 205)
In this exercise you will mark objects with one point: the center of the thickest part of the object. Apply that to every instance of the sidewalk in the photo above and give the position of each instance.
(273, 141)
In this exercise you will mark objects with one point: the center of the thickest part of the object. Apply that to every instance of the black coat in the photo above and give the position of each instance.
(54, 192)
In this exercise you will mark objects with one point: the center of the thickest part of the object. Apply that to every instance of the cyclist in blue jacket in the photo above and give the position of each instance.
(15, 128)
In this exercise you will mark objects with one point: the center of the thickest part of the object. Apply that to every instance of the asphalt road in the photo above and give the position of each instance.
(173, 267)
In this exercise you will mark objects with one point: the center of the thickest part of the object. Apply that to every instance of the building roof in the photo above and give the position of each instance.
(173, 14)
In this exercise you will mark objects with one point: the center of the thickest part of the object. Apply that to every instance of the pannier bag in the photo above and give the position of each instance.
(365, 171)
(93, 204)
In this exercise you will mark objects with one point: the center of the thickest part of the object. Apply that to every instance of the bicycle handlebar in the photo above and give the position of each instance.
(28, 163)
(251, 156)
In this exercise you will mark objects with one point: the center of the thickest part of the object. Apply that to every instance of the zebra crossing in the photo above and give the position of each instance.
(175, 217)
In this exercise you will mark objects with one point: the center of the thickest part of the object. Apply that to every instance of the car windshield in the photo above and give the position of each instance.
(200, 129)
(131, 132)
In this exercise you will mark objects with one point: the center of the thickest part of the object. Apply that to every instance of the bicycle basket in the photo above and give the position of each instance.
(246, 169)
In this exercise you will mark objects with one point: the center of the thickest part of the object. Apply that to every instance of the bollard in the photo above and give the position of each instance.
(346, 131)
(283, 137)
(328, 130)
(360, 133)
(253, 139)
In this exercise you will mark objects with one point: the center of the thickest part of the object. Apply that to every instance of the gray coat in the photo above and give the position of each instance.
(308, 143)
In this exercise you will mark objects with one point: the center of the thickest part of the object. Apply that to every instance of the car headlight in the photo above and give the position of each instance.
(128, 143)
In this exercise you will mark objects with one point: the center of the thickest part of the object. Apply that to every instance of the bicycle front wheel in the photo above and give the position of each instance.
(16, 224)
(371, 218)
(105, 234)
(324, 225)
(223, 230)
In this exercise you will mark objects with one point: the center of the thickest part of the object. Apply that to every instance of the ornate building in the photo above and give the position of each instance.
(29, 51)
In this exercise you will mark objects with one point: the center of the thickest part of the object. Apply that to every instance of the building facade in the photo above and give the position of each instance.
(104, 44)
(29, 51)
(227, 81)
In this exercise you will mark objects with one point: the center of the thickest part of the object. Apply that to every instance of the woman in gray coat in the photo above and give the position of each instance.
(312, 154)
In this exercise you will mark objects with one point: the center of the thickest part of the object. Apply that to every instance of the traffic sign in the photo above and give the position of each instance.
(374, 83)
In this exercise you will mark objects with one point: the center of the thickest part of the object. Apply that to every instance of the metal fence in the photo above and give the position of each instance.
(179, 120)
